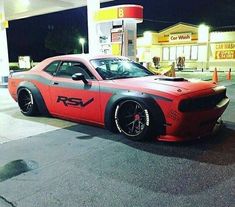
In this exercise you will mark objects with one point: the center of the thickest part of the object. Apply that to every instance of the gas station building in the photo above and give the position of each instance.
(200, 47)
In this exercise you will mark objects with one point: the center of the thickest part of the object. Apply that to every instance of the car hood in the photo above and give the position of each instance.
(170, 85)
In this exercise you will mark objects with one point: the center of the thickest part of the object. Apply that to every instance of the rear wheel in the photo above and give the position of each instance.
(26, 102)
(133, 120)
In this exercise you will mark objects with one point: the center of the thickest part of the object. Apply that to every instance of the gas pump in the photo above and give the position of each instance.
(117, 29)
(117, 40)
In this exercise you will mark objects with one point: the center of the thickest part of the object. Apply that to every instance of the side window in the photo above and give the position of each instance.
(67, 69)
(51, 69)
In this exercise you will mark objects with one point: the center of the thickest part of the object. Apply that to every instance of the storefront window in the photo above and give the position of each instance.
(165, 53)
(194, 52)
(180, 51)
(187, 52)
(172, 53)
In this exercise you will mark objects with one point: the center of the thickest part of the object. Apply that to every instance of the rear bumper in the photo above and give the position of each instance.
(194, 125)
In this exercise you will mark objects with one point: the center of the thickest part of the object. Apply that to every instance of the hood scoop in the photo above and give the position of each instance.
(174, 79)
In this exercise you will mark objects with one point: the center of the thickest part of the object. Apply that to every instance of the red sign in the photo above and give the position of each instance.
(135, 12)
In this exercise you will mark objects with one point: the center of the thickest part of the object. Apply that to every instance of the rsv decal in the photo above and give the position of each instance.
(76, 102)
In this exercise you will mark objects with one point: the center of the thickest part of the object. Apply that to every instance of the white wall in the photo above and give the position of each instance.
(222, 37)
(4, 62)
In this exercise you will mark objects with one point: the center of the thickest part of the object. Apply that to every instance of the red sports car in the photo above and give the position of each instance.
(121, 95)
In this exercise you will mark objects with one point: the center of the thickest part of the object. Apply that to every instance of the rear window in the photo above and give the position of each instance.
(51, 68)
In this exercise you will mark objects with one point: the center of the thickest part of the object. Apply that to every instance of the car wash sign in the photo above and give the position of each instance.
(181, 37)
(225, 51)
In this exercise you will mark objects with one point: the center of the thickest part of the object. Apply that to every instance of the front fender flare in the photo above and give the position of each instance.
(156, 113)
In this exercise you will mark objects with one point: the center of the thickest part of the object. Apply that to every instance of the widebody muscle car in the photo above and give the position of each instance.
(120, 95)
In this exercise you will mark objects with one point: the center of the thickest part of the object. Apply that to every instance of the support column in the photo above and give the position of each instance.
(93, 37)
(4, 61)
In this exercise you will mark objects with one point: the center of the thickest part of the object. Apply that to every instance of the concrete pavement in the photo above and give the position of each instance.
(87, 166)
(14, 126)
(206, 75)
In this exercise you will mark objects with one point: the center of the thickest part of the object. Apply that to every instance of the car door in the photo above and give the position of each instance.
(72, 99)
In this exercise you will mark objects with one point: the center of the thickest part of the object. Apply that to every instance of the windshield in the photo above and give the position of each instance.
(117, 68)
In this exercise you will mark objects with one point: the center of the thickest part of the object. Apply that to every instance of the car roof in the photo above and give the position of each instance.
(86, 57)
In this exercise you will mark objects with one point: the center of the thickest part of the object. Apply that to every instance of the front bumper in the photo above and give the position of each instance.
(193, 125)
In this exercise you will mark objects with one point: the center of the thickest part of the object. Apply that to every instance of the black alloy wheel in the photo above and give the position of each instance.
(133, 120)
(26, 102)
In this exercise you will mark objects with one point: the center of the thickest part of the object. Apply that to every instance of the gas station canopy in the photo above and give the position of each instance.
(17, 9)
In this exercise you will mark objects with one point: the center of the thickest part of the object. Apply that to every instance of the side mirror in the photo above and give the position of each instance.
(79, 76)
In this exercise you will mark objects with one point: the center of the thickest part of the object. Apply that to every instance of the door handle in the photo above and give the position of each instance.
(55, 83)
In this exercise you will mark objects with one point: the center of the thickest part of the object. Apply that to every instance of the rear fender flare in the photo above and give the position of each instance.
(36, 95)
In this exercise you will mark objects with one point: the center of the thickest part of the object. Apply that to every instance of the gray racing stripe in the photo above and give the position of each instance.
(81, 86)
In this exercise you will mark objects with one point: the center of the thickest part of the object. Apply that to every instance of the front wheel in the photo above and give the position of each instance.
(26, 102)
(132, 118)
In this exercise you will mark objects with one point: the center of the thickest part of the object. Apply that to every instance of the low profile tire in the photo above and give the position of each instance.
(26, 102)
(132, 119)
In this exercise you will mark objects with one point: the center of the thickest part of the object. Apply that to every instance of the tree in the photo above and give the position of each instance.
(63, 40)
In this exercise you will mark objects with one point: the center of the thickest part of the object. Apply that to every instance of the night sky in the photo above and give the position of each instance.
(27, 36)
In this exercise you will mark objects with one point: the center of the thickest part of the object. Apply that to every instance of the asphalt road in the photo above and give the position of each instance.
(63, 164)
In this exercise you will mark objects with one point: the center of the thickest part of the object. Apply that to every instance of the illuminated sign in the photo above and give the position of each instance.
(3, 23)
(225, 46)
(225, 51)
(134, 12)
(225, 54)
(24, 62)
(183, 37)
(116, 35)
